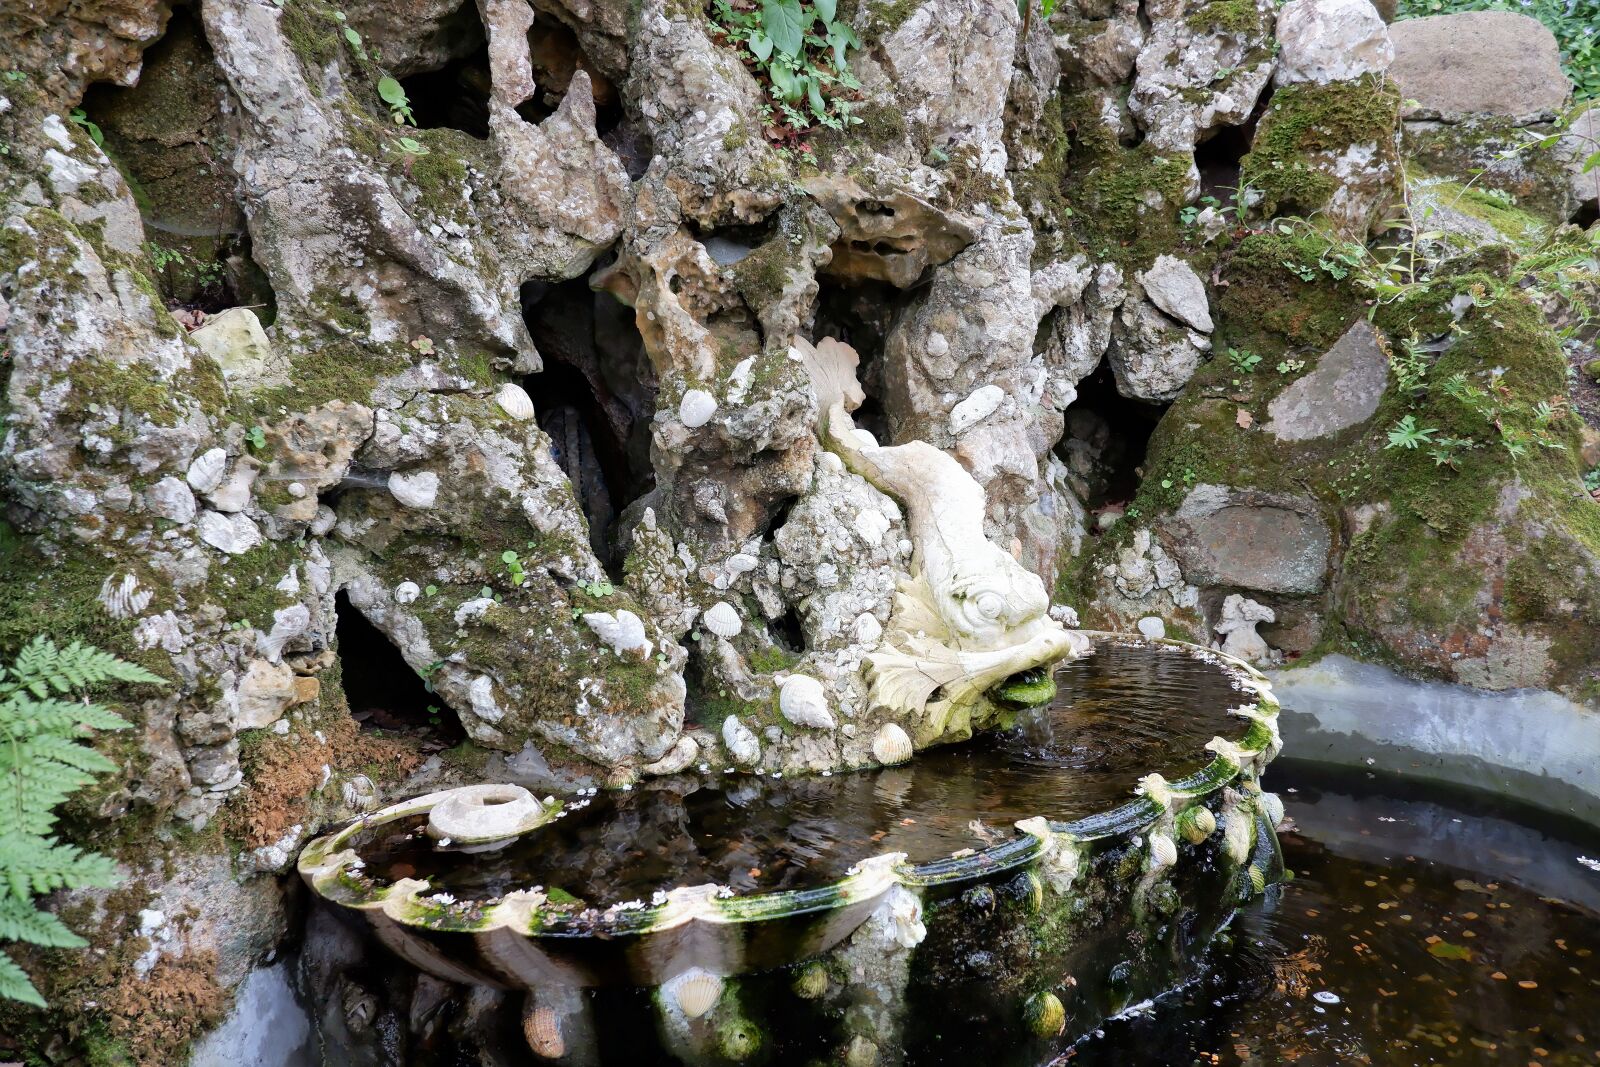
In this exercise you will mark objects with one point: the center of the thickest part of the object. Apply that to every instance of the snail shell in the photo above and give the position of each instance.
(804, 702)
(891, 745)
(696, 991)
(515, 401)
(696, 408)
(722, 620)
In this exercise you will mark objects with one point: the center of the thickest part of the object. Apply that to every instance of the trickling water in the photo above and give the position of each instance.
(1119, 714)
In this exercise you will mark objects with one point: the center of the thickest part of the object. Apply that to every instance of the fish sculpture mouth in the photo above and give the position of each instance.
(1030, 688)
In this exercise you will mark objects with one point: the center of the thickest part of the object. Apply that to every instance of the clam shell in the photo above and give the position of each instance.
(542, 1028)
(205, 473)
(804, 702)
(124, 599)
(1163, 851)
(514, 401)
(1197, 824)
(867, 629)
(891, 745)
(861, 1052)
(1152, 628)
(722, 620)
(1271, 806)
(415, 489)
(695, 991)
(696, 408)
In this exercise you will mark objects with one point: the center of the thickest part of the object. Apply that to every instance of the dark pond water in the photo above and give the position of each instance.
(1421, 927)
(1119, 714)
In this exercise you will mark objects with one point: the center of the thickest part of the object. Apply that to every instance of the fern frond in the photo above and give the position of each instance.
(25, 715)
(14, 984)
(41, 667)
(44, 866)
(21, 921)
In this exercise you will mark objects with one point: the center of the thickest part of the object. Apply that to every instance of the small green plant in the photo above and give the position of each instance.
(411, 147)
(1591, 480)
(1243, 360)
(1446, 451)
(1291, 366)
(598, 589)
(513, 564)
(256, 437)
(802, 48)
(394, 94)
(43, 761)
(1406, 434)
(81, 118)
(352, 38)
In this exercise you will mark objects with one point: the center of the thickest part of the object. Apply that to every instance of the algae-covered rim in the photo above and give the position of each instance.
(334, 871)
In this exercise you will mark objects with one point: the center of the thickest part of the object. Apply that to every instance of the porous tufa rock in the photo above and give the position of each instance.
(1163, 851)
(1322, 41)
(696, 408)
(679, 756)
(804, 702)
(406, 592)
(621, 631)
(515, 401)
(415, 489)
(741, 741)
(978, 406)
(1045, 1015)
(1197, 824)
(206, 472)
(695, 991)
(1152, 628)
(722, 620)
(483, 814)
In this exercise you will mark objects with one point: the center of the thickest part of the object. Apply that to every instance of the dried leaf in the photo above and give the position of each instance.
(1244, 419)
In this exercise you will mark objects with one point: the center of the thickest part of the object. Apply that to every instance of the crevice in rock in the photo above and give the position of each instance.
(383, 691)
(1586, 215)
(861, 314)
(788, 632)
(595, 398)
(556, 55)
(454, 96)
(1218, 160)
(1105, 442)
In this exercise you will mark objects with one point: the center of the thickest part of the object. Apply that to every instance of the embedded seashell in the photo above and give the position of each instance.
(542, 1028)
(1258, 880)
(623, 632)
(722, 620)
(812, 981)
(677, 758)
(1196, 824)
(743, 563)
(861, 1052)
(974, 409)
(804, 702)
(514, 401)
(696, 408)
(1271, 806)
(1152, 628)
(358, 793)
(741, 741)
(695, 991)
(206, 472)
(867, 629)
(415, 489)
(1163, 851)
(124, 599)
(406, 592)
(1238, 834)
(1045, 1015)
(891, 745)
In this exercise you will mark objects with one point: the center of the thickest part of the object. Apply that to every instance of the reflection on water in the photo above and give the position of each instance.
(1418, 929)
(1121, 713)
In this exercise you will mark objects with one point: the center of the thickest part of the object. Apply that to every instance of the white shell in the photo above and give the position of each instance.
(804, 702)
(1163, 851)
(1197, 824)
(696, 991)
(741, 742)
(415, 489)
(867, 629)
(891, 745)
(677, 758)
(696, 408)
(205, 473)
(406, 592)
(722, 620)
(1272, 807)
(542, 1028)
(233, 534)
(514, 401)
(357, 791)
(1238, 833)
(124, 599)
(1152, 628)
(975, 408)
(742, 563)
(622, 632)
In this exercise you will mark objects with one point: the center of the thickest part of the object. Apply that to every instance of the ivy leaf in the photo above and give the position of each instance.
(826, 9)
(760, 45)
(785, 24)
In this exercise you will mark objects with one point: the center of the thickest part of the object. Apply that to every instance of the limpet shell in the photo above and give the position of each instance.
(695, 991)
(891, 745)
(722, 620)
(515, 401)
(696, 408)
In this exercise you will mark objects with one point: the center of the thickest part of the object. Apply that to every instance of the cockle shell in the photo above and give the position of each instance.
(867, 629)
(406, 592)
(695, 991)
(205, 473)
(1163, 851)
(804, 702)
(741, 742)
(1272, 807)
(542, 1028)
(514, 401)
(1197, 824)
(861, 1052)
(358, 793)
(722, 620)
(124, 599)
(891, 745)
(696, 408)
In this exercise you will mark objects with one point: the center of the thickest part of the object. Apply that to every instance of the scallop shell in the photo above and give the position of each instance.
(891, 745)
(1163, 851)
(696, 408)
(1152, 628)
(514, 401)
(1197, 824)
(124, 599)
(406, 592)
(722, 620)
(1271, 806)
(743, 563)
(695, 991)
(804, 702)
(205, 473)
(542, 1028)
(867, 629)
(358, 793)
